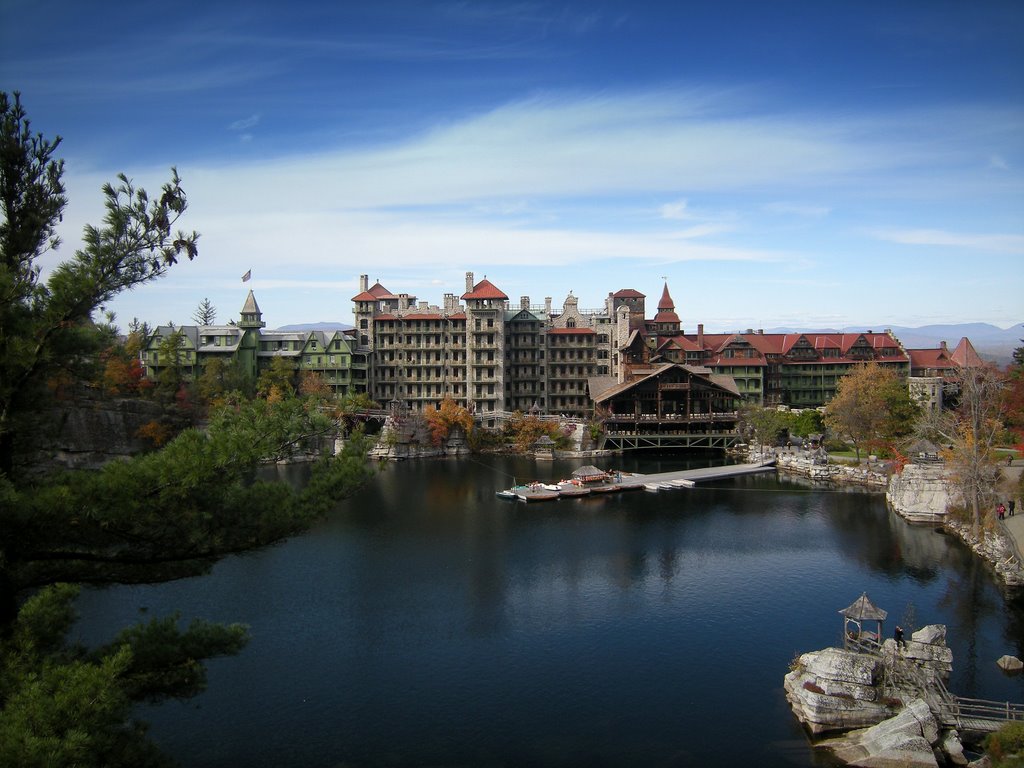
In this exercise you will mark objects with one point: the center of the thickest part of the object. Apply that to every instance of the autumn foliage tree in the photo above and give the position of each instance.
(523, 430)
(872, 406)
(972, 432)
(1013, 396)
(441, 421)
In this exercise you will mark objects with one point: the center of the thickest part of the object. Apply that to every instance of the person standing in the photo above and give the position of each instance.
(898, 636)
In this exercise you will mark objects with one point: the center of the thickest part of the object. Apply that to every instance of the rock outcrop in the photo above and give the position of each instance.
(920, 493)
(927, 649)
(908, 740)
(89, 432)
(879, 700)
(815, 466)
(835, 690)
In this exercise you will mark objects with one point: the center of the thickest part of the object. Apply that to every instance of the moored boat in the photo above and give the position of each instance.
(572, 489)
(535, 493)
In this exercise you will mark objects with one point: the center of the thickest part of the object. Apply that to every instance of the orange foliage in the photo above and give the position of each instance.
(122, 377)
(440, 421)
(155, 432)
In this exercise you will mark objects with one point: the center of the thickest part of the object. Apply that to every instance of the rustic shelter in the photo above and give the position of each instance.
(855, 615)
(589, 474)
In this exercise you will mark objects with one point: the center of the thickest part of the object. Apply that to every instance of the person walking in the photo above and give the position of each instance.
(1010, 505)
(1001, 511)
(898, 637)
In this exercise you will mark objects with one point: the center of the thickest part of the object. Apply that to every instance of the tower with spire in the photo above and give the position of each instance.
(251, 317)
(666, 322)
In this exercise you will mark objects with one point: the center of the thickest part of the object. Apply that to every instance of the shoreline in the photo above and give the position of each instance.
(923, 499)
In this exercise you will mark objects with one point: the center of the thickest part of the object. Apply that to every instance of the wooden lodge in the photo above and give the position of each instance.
(669, 405)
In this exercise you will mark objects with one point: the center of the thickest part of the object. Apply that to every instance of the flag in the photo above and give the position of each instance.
(246, 276)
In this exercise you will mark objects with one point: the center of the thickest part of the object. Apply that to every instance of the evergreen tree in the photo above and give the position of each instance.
(159, 516)
(205, 314)
(48, 329)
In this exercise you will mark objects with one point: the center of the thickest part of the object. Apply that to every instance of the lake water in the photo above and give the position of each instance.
(428, 623)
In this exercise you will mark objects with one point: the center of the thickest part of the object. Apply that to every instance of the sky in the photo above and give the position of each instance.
(778, 164)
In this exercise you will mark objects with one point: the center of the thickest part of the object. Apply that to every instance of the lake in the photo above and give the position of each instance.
(428, 623)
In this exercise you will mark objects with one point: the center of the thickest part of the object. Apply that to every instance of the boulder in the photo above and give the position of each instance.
(835, 689)
(1010, 664)
(952, 748)
(933, 634)
(899, 742)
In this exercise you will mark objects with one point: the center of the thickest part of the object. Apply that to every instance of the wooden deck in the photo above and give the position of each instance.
(686, 478)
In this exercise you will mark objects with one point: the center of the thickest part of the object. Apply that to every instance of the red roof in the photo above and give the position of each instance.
(627, 293)
(381, 292)
(966, 356)
(930, 358)
(485, 289)
(376, 292)
(666, 300)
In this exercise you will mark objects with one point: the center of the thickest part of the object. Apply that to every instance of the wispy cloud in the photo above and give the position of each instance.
(999, 243)
(798, 209)
(675, 211)
(245, 123)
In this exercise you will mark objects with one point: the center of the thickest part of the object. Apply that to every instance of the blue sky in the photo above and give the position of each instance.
(811, 164)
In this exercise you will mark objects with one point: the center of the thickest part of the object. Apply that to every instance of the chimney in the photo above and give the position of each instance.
(469, 282)
(524, 302)
(942, 346)
(547, 306)
(700, 335)
(364, 283)
(450, 304)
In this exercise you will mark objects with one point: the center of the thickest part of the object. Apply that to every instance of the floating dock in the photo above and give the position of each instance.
(688, 478)
(661, 481)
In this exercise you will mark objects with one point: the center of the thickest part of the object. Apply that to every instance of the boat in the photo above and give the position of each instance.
(572, 489)
(535, 492)
(605, 488)
(508, 494)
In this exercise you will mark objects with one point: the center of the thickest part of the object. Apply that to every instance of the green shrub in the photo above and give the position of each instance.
(1005, 743)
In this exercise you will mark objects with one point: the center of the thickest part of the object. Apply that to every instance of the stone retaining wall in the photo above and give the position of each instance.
(814, 466)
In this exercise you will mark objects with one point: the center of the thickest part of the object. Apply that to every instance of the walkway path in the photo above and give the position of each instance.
(1015, 525)
(698, 475)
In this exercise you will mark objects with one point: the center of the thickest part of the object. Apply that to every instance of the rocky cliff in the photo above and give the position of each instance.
(89, 432)
(920, 493)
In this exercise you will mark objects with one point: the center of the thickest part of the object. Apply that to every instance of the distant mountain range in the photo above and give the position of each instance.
(993, 343)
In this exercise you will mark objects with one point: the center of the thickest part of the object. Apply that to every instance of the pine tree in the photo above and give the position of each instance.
(205, 314)
(158, 516)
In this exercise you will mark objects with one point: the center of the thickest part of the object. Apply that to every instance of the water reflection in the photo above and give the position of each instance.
(428, 622)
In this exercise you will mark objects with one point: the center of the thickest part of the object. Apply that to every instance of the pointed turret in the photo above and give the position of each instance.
(666, 321)
(251, 316)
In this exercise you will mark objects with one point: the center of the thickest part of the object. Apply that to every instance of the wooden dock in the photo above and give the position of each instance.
(687, 478)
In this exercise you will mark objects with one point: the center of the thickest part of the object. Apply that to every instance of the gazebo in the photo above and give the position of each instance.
(544, 447)
(589, 474)
(855, 636)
